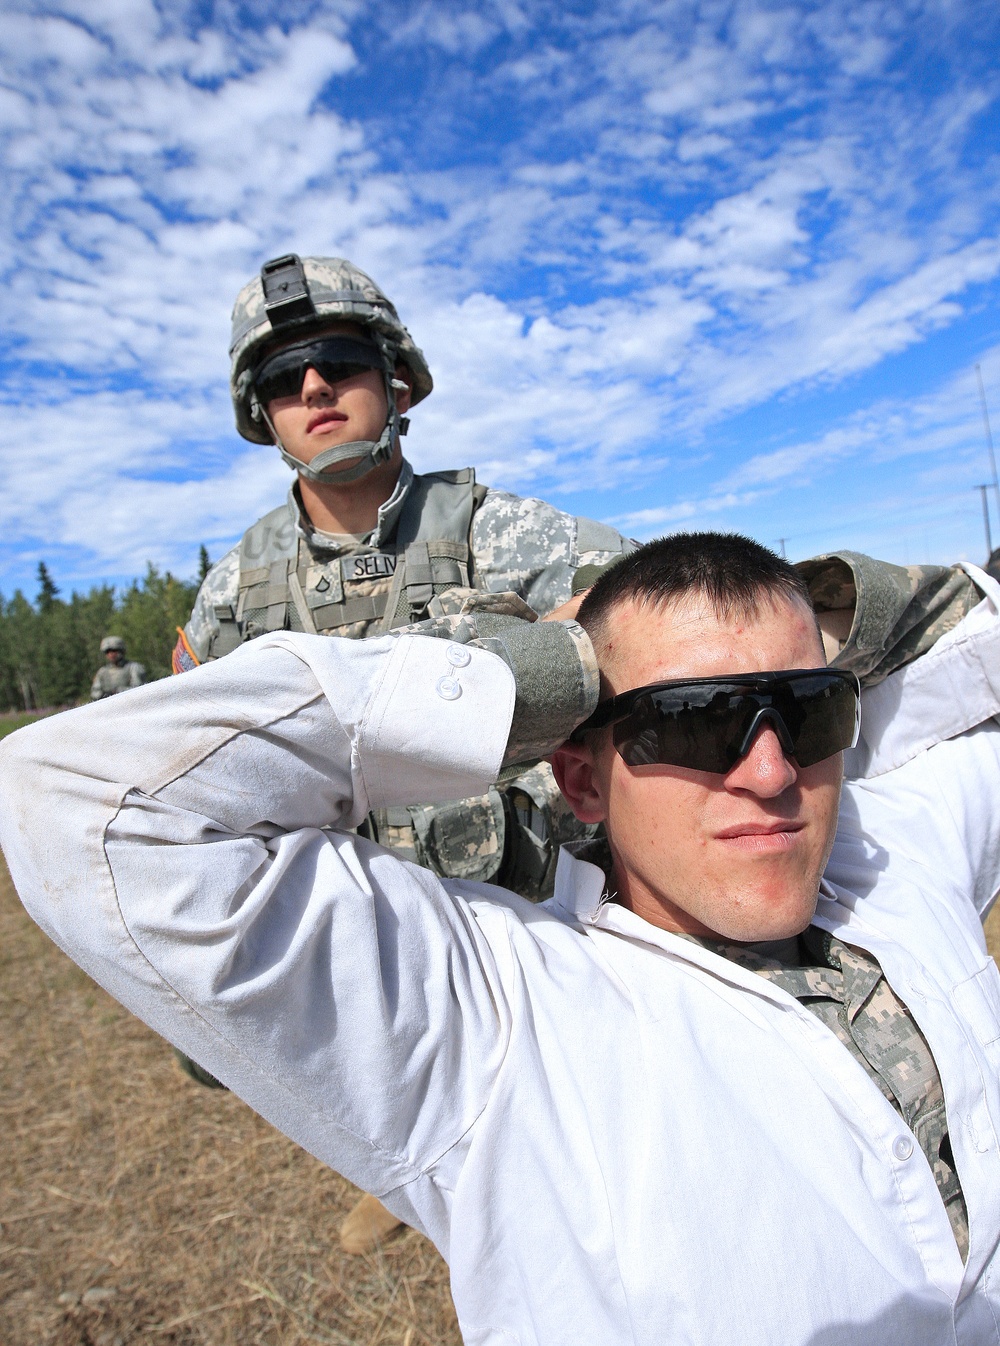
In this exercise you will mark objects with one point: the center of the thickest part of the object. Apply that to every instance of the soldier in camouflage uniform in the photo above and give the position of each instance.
(323, 368)
(119, 672)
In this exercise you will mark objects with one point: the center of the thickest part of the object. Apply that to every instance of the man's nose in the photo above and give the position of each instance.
(765, 770)
(314, 386)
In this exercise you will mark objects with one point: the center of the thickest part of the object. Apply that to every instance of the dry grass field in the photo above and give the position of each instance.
(136, 1206)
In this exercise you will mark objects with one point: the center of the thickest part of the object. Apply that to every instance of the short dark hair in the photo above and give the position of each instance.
(733, 572)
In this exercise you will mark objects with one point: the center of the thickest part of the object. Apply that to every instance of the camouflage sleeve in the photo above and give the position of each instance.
(554, 665)
(136, 674)
(220, 586)
(889, 615)
(527, 547)
(97, 687)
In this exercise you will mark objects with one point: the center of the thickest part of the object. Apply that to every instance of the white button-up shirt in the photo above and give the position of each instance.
(612, 1134)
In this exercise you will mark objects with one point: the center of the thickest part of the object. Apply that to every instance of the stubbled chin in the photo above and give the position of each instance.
(775, 915)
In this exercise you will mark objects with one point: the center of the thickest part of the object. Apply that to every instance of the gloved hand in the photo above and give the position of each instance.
(891, 614)
(554, 665)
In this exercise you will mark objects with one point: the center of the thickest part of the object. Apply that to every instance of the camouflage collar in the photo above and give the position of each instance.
(757, 957)
(388, 512)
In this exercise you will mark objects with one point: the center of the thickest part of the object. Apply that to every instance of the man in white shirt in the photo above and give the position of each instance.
(661, 1107)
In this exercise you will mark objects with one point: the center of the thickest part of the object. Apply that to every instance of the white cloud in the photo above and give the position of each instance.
(945, 422)
(708, 207)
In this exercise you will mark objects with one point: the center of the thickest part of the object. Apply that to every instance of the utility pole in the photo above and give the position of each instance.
(989, 437)
(781, 544)
(986, 517)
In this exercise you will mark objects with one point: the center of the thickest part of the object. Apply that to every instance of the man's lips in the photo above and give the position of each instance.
(759, 829)
(761, 838)
(323, 418)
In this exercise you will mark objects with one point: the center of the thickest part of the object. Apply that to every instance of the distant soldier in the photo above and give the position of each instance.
(323, 369)
(118, 673)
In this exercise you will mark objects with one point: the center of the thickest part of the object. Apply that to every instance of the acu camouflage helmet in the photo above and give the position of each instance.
(112, 643)
(290, 300)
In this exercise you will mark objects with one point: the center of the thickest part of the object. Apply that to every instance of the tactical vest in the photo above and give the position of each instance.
(510, 835)
(286, 583)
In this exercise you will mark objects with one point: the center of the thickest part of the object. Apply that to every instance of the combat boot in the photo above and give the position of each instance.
(366, 1226)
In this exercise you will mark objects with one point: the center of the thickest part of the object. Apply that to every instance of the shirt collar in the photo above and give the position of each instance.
(579, 886)
(388, 512)
(581, 894)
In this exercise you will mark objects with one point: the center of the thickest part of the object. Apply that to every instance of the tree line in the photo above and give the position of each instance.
(50, 648)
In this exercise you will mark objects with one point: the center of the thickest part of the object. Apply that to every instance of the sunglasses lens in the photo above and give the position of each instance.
(280, 382)
(288, 382)
(696, 727)
(706, 727)
(334, 359)
(822, 716)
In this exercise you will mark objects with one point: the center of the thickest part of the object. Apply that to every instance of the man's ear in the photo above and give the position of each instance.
(574, 770)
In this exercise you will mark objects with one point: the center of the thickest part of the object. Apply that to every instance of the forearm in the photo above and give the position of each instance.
(203, 789)
(386, 738)
(877, 617)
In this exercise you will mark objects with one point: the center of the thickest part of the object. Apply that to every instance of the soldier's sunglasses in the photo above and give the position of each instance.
(709, 724)
(281, 374)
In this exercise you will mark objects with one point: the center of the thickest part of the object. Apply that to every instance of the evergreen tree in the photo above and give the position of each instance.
(47, 590)
(20, 631)
(50, 650)
(204, 564)
(149, 616)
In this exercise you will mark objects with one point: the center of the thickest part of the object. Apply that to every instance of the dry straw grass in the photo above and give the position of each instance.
(136, 1206)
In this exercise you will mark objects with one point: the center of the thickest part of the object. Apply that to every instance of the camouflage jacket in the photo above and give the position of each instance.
(847, 991)
(113, 678)
(876, 616)
(515, 546)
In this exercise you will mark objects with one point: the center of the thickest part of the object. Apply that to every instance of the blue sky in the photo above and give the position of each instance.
(672, 264)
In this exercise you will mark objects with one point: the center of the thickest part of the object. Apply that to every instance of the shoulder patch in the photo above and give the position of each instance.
(183, 658)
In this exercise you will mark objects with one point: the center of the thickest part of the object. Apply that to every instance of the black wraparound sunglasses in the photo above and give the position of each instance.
(333, 357)
(709, 724)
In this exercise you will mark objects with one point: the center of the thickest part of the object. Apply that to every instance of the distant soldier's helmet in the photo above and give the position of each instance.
(291, 301)
(112, 643)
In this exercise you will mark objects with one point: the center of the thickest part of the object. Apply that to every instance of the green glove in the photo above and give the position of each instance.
(554, 665)
(898, 611)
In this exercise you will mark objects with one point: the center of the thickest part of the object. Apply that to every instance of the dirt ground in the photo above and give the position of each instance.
(137, 1206)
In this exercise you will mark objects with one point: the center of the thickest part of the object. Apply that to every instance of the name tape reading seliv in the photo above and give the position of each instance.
(372, 566)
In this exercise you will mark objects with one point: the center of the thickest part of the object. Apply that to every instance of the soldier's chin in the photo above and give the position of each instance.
(772, 916)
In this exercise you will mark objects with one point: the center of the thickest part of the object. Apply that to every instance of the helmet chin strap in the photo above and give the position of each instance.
(321, 469)
(370, 452)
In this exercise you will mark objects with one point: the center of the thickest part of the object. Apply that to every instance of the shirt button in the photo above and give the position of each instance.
(902, 1147)
(457, 655)
(448, 689)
